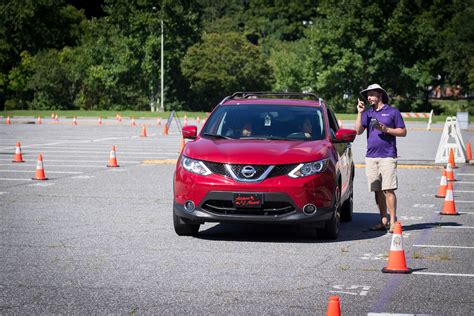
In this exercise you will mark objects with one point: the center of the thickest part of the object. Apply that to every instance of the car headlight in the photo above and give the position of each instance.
(309, 168)
(195, 166)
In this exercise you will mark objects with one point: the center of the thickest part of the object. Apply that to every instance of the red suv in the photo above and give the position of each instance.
(266, 158)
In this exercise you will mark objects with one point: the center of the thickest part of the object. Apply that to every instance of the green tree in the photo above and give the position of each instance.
(222, 64)
(32, 26)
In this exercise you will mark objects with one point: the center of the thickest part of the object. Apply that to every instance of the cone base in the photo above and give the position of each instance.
(440, 196)
(39, 179)
(18, 161)
(454, 214)
(454, 180)
(407, 271)
(113, 166)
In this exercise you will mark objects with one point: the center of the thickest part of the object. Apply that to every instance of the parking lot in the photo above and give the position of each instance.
(98, 240)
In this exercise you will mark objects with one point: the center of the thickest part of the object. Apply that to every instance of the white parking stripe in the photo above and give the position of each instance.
(464, 191)
(13, 179)
(441, 246)
(444, 274)
(465, 174)
(49, 165)
(69, 160)
(67, 172)
(464, 182)
(464, 201)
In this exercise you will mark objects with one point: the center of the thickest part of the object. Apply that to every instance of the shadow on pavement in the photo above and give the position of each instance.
(355, 230)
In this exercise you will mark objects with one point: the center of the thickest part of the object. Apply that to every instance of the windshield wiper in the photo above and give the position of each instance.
(217, 136)
(271, 137)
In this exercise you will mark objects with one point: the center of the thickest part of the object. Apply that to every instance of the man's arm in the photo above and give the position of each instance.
(358, 124)
(397, 132)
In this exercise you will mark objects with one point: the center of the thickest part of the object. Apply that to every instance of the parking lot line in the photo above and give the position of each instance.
(13, 179)
(442, 246)
(69, 160)
(464, 201)
(465, 174)
(464, 191)
(28, 171)
(444, 274)
(52, 166)
(464, 182)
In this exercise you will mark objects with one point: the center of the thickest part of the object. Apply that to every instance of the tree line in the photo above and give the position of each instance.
(57, 55)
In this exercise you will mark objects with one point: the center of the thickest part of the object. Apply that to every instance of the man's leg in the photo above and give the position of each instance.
(391, 203)
(380, 199)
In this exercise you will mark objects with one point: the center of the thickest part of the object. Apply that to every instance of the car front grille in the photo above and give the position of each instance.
(268, 208)
(278, 170)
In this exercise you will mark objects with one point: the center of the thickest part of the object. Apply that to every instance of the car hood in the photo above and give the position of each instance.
(248, 151)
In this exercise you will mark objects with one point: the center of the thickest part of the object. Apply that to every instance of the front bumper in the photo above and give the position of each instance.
(277, 208)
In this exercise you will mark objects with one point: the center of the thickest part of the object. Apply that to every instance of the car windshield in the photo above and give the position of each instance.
(262, 121)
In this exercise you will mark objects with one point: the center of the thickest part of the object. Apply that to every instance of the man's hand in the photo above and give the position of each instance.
(360, 105)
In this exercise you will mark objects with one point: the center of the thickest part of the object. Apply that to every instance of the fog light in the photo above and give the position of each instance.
(309, 209)
(189, 206)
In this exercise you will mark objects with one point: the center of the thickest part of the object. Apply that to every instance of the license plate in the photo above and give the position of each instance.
(248, 200)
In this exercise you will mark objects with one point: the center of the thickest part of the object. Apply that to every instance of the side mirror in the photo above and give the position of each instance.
(189, 131)
(345, 135)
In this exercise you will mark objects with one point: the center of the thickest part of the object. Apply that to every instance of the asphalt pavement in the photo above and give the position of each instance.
(98, 240)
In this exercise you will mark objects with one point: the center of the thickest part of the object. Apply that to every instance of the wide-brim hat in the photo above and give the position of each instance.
(375, 87)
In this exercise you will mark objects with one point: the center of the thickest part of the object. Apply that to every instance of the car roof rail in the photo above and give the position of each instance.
(266, 94)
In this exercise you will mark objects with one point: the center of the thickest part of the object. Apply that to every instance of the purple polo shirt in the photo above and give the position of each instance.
(379, 144)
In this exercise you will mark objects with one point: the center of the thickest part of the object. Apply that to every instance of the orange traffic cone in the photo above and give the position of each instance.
(443, 185)
(158, 121)
(339, 122)
(18, 157)
(185, 121)
(451, 158)
(74, 121)
(198, 119)
(120, 118)
(8, 120)
(113, 159)
(38, 121)
(450, 173)
(133, 121)
(56, 118)
(334, 307)
(100, 120)
(143, 133)
(468, 152)
(165, 129)
(449, 207)
(396, 259)
(52, 115)
(39, 169)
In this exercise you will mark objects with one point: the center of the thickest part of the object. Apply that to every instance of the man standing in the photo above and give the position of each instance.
(383, 123)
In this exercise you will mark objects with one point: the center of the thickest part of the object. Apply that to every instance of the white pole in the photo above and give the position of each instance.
(162, 67)
(428, 128)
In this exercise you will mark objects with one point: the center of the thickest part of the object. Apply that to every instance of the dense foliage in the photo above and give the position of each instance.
(56, 54)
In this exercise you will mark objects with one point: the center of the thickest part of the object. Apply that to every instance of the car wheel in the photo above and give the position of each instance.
(348, 205)
(182, 228)
(331, 228)
(347, 209)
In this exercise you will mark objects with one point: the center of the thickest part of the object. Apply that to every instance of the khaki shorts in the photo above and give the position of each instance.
(381, 173)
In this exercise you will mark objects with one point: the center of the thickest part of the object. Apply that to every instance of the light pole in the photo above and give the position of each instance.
(162, 109)
(162, 75)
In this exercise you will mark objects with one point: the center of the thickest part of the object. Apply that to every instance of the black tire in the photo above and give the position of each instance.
(347, 209)
(331, 228)
(182, 228)
(348, 205)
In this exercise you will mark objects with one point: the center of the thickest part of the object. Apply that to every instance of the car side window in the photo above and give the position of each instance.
(333, 125)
